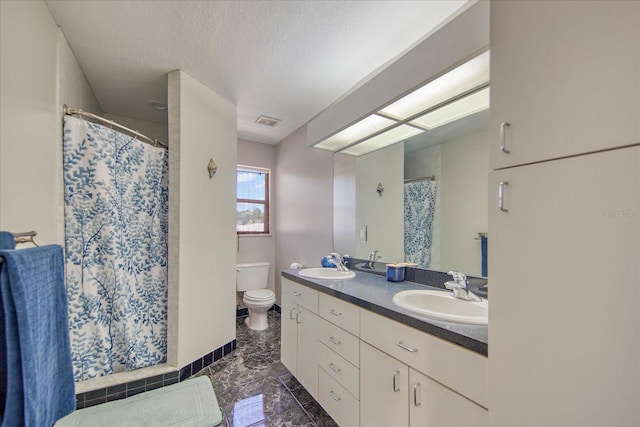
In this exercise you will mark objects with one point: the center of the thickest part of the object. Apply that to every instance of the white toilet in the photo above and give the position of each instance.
(252, 279)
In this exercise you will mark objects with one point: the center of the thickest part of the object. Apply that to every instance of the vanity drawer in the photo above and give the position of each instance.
(340, 341)
(343, 408)
(457, 368)
(340, 369)
(300, 294)
(341, 313)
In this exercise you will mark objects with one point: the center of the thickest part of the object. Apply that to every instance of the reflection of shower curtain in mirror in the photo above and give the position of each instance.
(419, 208)
(116, 223)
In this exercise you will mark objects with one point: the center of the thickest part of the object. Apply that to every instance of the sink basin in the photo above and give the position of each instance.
(326, 274)
(441, 305)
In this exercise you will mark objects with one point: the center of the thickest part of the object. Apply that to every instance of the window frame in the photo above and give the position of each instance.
(266, 202)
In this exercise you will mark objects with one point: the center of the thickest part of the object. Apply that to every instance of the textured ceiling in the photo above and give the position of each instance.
(284, 59)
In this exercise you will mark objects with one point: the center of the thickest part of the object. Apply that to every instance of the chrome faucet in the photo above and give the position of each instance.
(460, 287)
(373, 257)
(338, 261)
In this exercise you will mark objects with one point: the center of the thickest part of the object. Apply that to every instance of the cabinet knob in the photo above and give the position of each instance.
(395, 381)
(501, 186)
(503, 137)
(406, 347)
(416, 402)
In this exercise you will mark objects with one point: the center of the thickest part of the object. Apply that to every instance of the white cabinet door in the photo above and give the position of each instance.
(289, 335)
(564, 320)
(307, 372)
(384, 389)
(566, 76)
(432, 404)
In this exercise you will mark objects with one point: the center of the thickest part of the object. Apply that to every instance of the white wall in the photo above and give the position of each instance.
(344, 204)
(260, 248)
(463, 189)
(383, 216)
(159, 131)
(304, 220)
(30, 125)
(75, 90)
(202, 239)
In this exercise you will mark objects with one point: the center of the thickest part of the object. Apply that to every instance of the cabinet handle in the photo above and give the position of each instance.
(403, 346)
(296, 294)
(501, 196)
(334, 396)
(395, 384)
(291, 313)
(334, 368)
(416, 386)
(503, 146)
(335, 313)
(335, 341)
(298, 317)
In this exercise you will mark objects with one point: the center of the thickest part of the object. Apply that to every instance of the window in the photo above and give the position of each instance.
(252, 207)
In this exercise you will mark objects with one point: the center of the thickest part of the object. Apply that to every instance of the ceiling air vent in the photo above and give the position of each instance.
(267, 121)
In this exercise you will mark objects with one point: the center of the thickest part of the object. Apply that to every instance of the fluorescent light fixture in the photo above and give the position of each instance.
(470, 104)
(456, 94)
(383, 140)
(470, 75)
(355, 132)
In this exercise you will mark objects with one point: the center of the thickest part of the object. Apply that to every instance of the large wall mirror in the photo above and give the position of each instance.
(422, 200)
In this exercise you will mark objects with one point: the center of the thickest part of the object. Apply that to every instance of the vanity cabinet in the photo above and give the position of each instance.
(339, 359)
(374, 371)
(565, 325)
(393, 394)
(299, 331)
(416, 379)
(565, 76)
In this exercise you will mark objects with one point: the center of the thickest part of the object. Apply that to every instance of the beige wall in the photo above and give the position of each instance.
(75, 90)
(463, 189)
(383, 216)
(304, 220)
(344, 204)
(202, 259)
(30, 125)
(259, 248)
(159, 131)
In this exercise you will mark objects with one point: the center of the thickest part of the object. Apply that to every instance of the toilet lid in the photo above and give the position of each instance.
(259, 294)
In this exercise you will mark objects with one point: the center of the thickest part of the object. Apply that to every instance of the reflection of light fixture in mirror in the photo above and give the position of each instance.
(382, 140)
(456, 94)
(463, 107)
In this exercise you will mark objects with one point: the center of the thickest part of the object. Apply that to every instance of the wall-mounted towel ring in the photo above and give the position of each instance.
(212, 168)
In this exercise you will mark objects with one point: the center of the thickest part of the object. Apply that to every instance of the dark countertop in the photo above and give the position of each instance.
(375, 293)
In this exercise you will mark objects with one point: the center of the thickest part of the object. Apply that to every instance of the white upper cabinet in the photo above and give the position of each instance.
(565, 76)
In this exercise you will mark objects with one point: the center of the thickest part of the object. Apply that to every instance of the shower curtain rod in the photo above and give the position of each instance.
(72, 111)
(426, 178)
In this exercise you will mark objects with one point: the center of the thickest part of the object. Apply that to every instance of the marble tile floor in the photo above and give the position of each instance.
(255, 389)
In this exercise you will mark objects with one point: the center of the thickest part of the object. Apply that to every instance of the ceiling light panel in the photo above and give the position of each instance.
(385, 139)
(466, 77)
(355, 132)
(470, 104)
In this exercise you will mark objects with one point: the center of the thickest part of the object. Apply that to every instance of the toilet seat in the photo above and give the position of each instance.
(259, 295)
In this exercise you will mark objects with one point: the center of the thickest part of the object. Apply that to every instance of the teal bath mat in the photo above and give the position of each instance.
(190, 403)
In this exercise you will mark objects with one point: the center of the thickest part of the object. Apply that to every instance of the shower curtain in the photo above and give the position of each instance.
(419, 208)
(116, 227)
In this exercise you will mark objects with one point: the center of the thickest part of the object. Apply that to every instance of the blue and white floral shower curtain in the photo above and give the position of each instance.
(116, 228)
(419, 209)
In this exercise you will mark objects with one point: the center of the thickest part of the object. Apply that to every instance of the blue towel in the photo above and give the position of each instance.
(35, 366)
(7, 241)
(485, 253)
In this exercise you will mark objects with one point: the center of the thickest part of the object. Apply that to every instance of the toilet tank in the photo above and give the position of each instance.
(252, 276)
